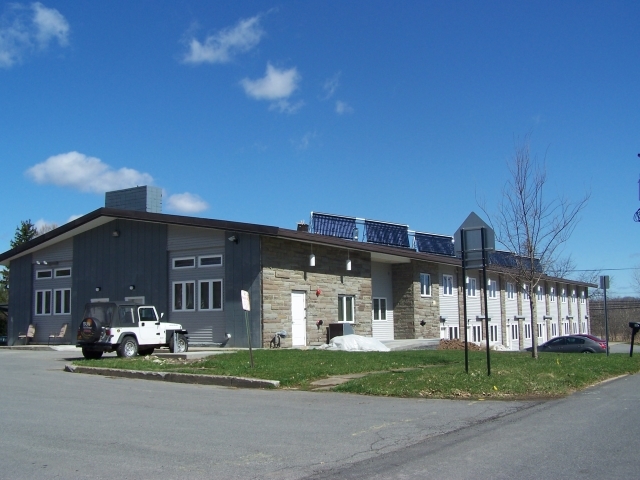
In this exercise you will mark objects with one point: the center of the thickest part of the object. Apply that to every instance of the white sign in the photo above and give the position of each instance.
(246, 304)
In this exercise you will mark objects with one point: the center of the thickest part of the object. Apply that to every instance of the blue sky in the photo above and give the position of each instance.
(263, 112)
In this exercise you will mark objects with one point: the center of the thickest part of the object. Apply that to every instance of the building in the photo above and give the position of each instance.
(381, 278)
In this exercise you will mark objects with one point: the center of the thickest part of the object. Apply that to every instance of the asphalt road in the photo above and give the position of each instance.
(62, 425)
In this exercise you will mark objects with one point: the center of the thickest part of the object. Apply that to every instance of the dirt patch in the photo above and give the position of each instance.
(457, 345)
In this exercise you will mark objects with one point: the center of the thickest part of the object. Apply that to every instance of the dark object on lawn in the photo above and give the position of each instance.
(275, 341)
(635, 326)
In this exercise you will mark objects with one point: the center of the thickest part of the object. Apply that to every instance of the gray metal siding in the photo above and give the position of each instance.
(188, 238)
(138, 256)
(242, 272)
(60, 252)
(20, 295)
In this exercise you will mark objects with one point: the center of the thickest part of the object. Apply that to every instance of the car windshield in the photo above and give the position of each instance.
(102, 312)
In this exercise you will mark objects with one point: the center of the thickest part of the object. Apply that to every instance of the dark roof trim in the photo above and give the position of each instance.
(239, 227)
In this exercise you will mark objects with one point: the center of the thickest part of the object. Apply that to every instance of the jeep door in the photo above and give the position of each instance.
(149, 326)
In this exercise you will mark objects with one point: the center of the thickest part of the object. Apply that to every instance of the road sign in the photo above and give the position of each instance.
(473, 228)
(246, 305)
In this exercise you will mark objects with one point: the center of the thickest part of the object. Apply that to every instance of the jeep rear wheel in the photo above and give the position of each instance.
(128, 348)
(91, 354)
(183, 345)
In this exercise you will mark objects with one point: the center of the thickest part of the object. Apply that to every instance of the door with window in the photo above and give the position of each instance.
(381, 323)
(298, 319)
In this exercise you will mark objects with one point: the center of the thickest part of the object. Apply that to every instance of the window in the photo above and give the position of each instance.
(210, 261)
(573, 296)
(147, 314)
(447, 285)
(552, 294)
(62, 301)
(62, 272)
(477, 333)
(43, 302)
(582, 297)
(514, 331)
(540, 293)
(186, 262)
(210, 294)
(40, 274)
(379, 308)
(527, 330)
(346, 308)
(425, 285)
(493, 333)
(184, 296)
(525, 294)
(554, 330)
(540, 330)
(510, 291)
(563, 296)
(471, 287)
(492, 286)
(453, 333)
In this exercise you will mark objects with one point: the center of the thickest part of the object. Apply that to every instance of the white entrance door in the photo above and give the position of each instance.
(298, 319)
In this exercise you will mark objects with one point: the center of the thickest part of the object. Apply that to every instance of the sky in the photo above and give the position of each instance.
(406, 111)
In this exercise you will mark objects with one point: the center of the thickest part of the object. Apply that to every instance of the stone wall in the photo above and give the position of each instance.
(286, 269)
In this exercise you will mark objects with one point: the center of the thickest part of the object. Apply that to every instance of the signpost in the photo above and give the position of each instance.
(472, 242)
(246, 306)
(604, 284)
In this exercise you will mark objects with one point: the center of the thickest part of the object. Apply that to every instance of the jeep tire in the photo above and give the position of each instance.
(91, 354)
(145, 351)
(90, 329)
(128, 348)
(183, 345)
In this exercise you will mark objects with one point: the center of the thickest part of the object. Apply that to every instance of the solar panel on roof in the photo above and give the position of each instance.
(333, 225)
(386, 233)
(438, 244)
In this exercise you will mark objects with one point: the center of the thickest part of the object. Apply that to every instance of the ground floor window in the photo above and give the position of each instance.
(493, 333)
(62, 301)
(514, 332)
(527, 330)
(566, 328)
(453, 333)
(379, 308)
(346, 308)
(43, 302)
(476, 333)
(184, 296)
(540, 330)
(210, 294)
(554, 330)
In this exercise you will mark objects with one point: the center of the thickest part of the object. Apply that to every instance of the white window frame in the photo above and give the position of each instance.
(493, 288)
(210, 298)
(540, 293)
(493, 333)
(453, 333)
(552, 294)
(425, 285)
(379, 313)
(540, 330)
(183, 294)
(476, 333)
(582, 297)
(204, 257)
(573, 296)
(525, 294)
(57, 274)
(44, 277)
(563, 296)
(527, 330)
(510, 291)
(43, 299)
(183, 267)
(447, 285)
(65, 300)
(515, 334)
(471, 287)
(343, 307)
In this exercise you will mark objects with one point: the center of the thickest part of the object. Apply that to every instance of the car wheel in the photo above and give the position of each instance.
(91, 354)
(145, 351)
(183, 345)
(128, 348)
(588, 351)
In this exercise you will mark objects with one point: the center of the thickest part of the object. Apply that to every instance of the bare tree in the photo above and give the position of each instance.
(530, 226)
(46, 227)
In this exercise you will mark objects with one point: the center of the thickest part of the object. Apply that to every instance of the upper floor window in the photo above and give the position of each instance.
(425, 284)
(510, 291)
(492, 286)
(62, 272)
(573, 296)
(583, 296)
(447, 285)
(210, 261)
(41, 274)
(525, 293)
(552, 294)
(563, 296)
(540, 293)
(471, 287)
(185, 262)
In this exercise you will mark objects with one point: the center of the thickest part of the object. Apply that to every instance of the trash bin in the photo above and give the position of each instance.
(338, 329)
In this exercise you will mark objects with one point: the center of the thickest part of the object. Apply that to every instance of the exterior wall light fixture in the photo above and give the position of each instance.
(132, 287)
(98, 289)
(233, 239)
(115, 233)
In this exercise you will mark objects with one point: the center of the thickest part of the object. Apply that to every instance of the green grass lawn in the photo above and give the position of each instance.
(417, 373)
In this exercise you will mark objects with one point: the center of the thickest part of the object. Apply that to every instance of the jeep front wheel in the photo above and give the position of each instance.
(183, 346)
(128, 348)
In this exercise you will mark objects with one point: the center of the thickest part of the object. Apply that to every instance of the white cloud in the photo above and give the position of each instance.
(186, 203)
(49, 24)
(220, 47)
(275, 85)
(25, 30)
(306, 139)
(87, 174)
(330, 86)
(343, 107)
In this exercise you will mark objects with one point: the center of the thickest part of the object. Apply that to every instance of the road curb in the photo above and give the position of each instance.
(219, 380)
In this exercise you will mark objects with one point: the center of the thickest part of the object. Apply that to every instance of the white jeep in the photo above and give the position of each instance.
(128, 329)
